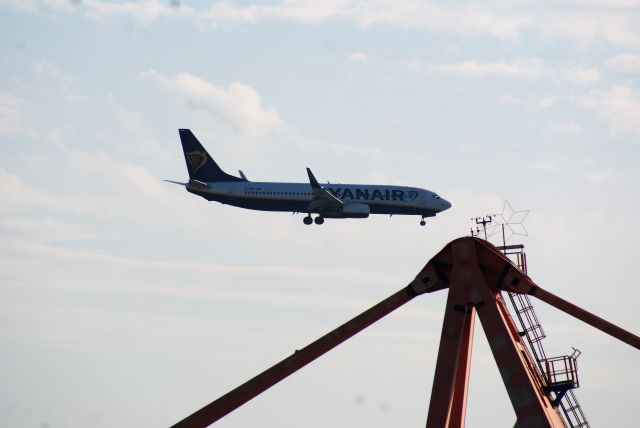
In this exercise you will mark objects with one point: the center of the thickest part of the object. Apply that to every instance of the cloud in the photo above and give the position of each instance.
(144, 12)
(135, 177)
(10, 114)
(532, 101)
(360, 57)
(462, 20)
(44, 229)
(603, 175)
(239, 105)
(120, 190)
(581, 75)
(521, 68)
(14, 190)
(618, 107)
(615, 25)
(543, 166)
(527, 68)
(19, 196)
(20, 5)
(57, 80)
(569, 128)
(547, 102)
(51, 71)
(340, 150)
(102, 257)
(225, 12)
(626, 63)
(600, 176)
(510, 100)
(588, 21)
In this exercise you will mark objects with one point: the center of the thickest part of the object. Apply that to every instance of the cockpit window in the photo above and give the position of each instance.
(436, 196)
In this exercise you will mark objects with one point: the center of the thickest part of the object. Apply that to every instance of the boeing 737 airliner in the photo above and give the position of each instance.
(206, 179)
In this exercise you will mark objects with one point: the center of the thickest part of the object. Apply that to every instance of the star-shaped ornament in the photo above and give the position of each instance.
(513, 222)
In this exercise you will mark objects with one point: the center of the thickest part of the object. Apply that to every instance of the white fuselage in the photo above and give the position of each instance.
(296, 197)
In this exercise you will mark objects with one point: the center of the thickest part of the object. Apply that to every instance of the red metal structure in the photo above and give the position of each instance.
(475, 272)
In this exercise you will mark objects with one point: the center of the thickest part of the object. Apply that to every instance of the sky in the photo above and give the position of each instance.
(125, 301)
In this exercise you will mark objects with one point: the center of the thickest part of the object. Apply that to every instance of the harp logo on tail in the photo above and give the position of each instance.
(196, 159)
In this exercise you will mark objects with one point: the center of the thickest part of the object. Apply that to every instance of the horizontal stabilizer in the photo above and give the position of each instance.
(198, 183)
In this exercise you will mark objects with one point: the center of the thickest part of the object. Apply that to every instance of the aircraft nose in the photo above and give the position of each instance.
(445, 204)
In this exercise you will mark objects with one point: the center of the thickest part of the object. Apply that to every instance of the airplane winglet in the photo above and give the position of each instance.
(312, 180)
(322, 199)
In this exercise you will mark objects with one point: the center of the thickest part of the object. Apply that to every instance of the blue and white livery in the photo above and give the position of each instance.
(208, 180)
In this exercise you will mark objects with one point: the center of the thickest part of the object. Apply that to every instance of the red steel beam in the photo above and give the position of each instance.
(474, 271)
(524, 386)
(586, 316)
(513, 280)
(458, 411)
(461, 267)
(502, 274)
(300, 358)
(454, 351)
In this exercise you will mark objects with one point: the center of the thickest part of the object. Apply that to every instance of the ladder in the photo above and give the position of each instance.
(559, 373)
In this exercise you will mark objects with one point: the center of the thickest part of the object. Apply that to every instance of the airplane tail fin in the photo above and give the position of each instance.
(200, 164)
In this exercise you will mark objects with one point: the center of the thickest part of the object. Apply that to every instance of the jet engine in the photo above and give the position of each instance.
(354, 211)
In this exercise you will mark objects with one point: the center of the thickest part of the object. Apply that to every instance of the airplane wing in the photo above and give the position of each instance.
(322, 201)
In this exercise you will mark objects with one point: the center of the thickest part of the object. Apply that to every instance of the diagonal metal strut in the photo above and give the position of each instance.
(300, 358)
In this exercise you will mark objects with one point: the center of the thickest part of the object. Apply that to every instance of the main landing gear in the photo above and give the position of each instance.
(308, 220)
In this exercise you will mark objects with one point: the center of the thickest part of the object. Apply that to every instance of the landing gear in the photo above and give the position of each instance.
(308, 220)
(422, 222)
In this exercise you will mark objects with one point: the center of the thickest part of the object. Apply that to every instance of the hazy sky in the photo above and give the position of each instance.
(125, 301)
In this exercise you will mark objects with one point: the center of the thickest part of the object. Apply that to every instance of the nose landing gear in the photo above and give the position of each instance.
(422, 222)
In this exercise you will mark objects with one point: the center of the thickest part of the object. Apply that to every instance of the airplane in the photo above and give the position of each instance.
(208, 180)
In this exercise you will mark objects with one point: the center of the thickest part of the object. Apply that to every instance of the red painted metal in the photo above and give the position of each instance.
(447, 386)
(475, 273)
(458, 410)
(300, 358)
(468, 288)
(588, 317)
